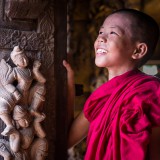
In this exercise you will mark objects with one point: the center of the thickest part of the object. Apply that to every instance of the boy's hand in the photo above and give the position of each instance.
(70, 73)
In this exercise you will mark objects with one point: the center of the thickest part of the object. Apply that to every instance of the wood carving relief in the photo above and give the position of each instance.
(26, 46)
(20, 100)
(20, 9)
(30, 41)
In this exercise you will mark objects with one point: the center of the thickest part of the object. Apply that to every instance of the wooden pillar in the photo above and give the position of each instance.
(60, 9)
(56, 97)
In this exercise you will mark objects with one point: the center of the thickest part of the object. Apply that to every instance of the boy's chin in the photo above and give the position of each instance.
(100, 63)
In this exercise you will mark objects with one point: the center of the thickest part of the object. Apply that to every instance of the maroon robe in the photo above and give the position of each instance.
(122, 113)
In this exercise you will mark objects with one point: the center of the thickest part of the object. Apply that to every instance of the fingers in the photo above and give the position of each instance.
(65, 63)
(68, 67)
(70, 74)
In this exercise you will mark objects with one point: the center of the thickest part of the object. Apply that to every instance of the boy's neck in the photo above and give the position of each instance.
(118, 72)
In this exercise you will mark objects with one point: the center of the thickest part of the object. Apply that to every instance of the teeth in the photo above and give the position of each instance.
(99, 51)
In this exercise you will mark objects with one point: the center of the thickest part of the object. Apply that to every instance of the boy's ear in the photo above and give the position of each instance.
(140, 51)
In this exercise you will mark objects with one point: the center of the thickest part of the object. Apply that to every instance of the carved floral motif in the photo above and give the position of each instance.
(41, 42)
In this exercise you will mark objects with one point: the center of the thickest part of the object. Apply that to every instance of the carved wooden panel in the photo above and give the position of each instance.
(31, 25)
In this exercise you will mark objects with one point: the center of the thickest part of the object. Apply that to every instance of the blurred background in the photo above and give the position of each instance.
(84, 19)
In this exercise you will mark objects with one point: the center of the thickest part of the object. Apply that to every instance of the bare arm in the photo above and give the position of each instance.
(70, 92)
(78, 127)
(78, 130)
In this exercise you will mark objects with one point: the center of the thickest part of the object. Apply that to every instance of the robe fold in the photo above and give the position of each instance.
(122, 113)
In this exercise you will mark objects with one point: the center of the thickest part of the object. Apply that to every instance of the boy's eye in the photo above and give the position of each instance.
(113, 32)
(100, 32)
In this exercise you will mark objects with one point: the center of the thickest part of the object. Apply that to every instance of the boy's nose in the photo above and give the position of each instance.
(101, 40)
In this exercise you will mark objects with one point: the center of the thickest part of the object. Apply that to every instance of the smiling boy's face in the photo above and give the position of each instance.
(114, 45)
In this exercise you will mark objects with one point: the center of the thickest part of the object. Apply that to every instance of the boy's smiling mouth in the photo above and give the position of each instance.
(101, 51)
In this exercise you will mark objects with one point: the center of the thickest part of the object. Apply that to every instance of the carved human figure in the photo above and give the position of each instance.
(32, 94)
(29, 147)
(23, 98)
(29, 127)
(11, 95)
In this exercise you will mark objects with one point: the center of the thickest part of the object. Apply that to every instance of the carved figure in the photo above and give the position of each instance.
(30, 148)
(32, 96)
(28, 127)
(23, 99)
(9, 96)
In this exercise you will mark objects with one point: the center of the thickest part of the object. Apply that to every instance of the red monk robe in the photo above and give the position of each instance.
(121, 114)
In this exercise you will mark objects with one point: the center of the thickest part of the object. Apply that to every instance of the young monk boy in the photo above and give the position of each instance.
(119, 116)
